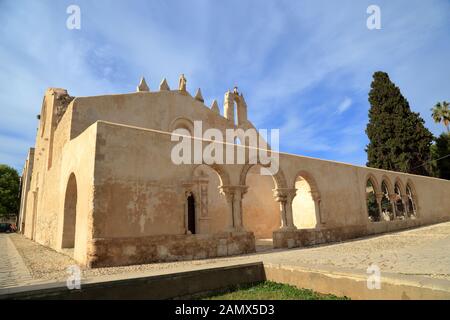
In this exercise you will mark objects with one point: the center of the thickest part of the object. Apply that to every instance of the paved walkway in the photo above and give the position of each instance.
(13, 270)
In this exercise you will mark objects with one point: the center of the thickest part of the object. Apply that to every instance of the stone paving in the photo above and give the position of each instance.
(13, 270)
(423, 252)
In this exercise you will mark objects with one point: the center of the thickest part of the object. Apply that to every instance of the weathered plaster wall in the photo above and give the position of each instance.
(56, 157)
(25, 188)
(340, 188)
(260, 211)
(139, 250)
(152, 110)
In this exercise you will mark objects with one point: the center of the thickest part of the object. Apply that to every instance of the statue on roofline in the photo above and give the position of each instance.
(182, 83)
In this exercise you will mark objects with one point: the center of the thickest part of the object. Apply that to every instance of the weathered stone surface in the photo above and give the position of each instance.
(215, 107)
(140, 250)
(198, 96)
(164, 86)
(142, 86)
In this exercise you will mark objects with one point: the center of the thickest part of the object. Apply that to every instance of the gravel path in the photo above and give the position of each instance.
(13, 270)
(423, 251)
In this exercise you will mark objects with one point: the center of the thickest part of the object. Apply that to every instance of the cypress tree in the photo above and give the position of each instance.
(398, 139)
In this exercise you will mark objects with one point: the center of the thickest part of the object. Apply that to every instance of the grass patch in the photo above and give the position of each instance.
(268, 290)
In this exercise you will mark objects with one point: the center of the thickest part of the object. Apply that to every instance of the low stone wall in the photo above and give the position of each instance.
(390, 226)
(309, 237)
(163, 248)
(354, 284)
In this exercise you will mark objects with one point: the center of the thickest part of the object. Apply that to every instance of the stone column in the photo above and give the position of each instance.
(285, 196)
(290, 195)
(414, 205)
(319, 214)
(228, 192)
(234, 195)
(405, 205)
(392, 198)
(379, 197)
(239, 192)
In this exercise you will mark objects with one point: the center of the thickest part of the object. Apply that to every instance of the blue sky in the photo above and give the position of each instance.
(305, 67)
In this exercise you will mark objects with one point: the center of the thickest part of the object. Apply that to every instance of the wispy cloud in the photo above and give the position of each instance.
(344, 105)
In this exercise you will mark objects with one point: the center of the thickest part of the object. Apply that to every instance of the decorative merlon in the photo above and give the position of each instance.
(164, 86)
(142, 86)
(215, 107)
(198, 96)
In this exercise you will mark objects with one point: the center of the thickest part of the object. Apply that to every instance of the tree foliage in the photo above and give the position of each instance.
(398, 139)
(9, 190)
(441, 113)
(440, 152)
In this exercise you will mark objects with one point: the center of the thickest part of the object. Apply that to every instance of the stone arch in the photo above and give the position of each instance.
(387, 209)
(260, 210)
(70, 213)
(234, 100)
(388, 183)
(310, 179)
(374, 181)
(205, 185)
(399, 182)
(371, 192)
(183, 123)
(306, 211)
(412, 198)
(399, 192)
(219, 169)
(278, 178)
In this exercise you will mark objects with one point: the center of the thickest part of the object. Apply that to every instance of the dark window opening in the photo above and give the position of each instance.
(191, 214)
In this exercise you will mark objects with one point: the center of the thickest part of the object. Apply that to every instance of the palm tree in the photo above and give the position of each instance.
(441, 113)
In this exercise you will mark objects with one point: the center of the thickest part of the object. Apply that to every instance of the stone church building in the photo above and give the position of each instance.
(100, 184)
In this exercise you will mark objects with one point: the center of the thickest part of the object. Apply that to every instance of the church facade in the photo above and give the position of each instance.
(100, 182)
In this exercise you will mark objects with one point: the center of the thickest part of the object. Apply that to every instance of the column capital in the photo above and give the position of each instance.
(393, 197)
(233, 189)
(283, 194)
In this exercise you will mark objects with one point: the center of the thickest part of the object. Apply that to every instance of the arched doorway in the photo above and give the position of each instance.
(210, 205)
(191, 214)
(305, 205)
(260, 211)
(70, 213)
